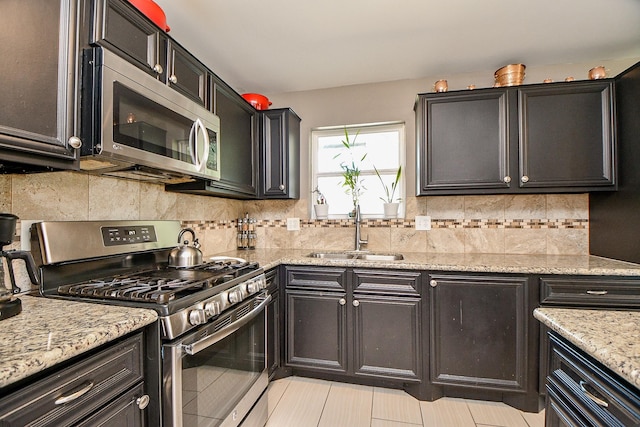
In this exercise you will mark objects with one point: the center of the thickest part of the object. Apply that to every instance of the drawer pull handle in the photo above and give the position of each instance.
(75, 395)
(596, 400)
(597, 292)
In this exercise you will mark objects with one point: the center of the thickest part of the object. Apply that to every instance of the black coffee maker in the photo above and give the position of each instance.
(9, 304)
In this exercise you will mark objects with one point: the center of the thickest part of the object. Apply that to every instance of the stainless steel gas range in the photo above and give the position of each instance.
(212, 315)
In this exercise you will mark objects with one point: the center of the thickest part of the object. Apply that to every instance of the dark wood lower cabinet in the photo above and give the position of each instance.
(484, 341)
(386, 337)
(105, 388)
(583, 392)
(273, 322)
(448, 334)
(478, 331)
(317, 330)
(372, 333)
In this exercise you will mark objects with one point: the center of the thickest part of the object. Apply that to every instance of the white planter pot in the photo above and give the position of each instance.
(391, 210)
(322, 211)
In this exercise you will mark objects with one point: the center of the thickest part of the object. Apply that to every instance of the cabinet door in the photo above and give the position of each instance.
(123, 412)
(119, 27)
(38, 69)
(186, 74)
(273, 322)
(479, 331)
(316, 330)
(566, 135)
(386, 337)
(280, 154)
(463, 141)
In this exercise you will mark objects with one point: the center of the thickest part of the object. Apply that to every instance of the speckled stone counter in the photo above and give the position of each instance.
(50, 331)
(490, 263)
(609, 336)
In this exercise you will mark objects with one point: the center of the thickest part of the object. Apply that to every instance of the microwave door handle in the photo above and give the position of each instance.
(193, 136)
(208, 341)
(202, 130)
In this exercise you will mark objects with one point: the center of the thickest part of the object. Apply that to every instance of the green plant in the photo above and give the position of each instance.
(351, 168)
(394, 185)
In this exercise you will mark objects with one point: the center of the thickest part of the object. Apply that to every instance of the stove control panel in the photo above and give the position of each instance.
(212, 307)
(126, 235)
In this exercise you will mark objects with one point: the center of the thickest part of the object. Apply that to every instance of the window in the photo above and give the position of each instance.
(384, 148)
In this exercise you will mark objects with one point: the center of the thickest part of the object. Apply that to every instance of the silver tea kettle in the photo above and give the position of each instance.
(185, 255)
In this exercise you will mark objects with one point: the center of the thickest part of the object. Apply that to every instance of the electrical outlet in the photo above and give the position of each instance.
(423, 222)
(293, 224)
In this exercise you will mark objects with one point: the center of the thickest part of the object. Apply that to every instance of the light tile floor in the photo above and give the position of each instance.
(302, 402)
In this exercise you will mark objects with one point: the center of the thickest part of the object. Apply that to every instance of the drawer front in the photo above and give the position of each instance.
(387, 282)
(590, 292)
(599, 395)
(86, 386)
(316, 278)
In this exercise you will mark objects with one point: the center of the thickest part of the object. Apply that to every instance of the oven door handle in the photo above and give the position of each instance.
(198, 346)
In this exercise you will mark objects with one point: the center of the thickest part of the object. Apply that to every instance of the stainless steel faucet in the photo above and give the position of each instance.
(359, 240)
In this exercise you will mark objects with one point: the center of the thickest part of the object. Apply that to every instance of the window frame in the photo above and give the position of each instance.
(363, 129)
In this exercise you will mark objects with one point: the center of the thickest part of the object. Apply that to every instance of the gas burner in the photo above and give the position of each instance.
(136, 288)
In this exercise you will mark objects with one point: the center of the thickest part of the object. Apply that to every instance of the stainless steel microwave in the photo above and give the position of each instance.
(135, 126)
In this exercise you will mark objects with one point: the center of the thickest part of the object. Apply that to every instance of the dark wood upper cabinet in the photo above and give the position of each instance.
(539, 138)
(186, 74)
(119, 27)
(280, 154)
(464, 143)
(566, 135)
(39, 72)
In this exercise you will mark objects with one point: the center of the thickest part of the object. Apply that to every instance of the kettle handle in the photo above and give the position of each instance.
(185, 230)
(30, 266)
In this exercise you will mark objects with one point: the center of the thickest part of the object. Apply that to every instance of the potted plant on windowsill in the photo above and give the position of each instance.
(390, 207)
(321, 207)
(351, 170)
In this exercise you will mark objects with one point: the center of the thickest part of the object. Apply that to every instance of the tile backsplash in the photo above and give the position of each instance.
(521, 224)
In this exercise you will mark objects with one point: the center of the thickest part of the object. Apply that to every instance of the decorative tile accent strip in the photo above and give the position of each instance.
(582, 224)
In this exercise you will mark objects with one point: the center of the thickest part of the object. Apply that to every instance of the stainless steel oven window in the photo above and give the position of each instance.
(213, 376)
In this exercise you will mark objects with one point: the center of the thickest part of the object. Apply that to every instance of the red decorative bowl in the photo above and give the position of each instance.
(151, 10)
(259, 102)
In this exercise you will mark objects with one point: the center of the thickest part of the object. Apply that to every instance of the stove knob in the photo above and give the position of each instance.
(212, 308)
(253, 286)
(197, 317)
(235, 296)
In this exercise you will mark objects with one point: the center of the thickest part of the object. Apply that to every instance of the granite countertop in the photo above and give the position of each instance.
(490, 263)
(49, 331)
(610, 336)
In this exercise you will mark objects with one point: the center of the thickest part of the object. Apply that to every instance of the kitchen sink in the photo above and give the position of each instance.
(365, 256)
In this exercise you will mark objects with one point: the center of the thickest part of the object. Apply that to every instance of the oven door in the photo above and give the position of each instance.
(215, 375)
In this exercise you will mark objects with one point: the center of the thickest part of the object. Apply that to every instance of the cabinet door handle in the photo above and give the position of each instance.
(85, 387)
(143, 401)
(158, 69)
(281, 187)
(356, 303)
(173, 79)
(433, 283)
(596, 400)
(507, 179)
(342, 301)
(75, 142)
(597, 292)
(525, 178)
